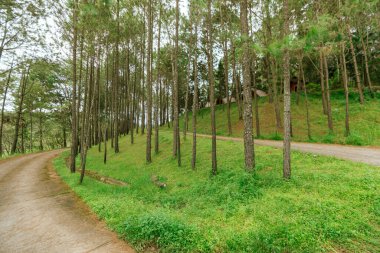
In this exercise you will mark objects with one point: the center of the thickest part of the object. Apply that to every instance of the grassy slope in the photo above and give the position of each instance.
(328, 204)
(364, 120)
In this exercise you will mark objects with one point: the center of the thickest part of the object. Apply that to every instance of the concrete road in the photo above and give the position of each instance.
(369, 155)
(39, 213)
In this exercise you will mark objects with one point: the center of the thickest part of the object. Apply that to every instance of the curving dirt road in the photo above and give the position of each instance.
(369, 155)
(39, 213)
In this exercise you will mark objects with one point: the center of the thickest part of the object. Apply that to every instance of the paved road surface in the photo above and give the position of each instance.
(39, 213)
(369, 155)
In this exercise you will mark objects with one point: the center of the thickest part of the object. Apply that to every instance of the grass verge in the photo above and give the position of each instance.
(328, 205)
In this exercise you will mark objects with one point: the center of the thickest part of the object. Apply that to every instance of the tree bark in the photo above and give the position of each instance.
(366, 66)
(195, 101)
(211, 84)
(345, 84)
(248, 125)
(322, 77)
(158, 86)
(287, 98)
(236, 82)
(306, 100)
(328, 102)
(74, 133)
(176, 87)
(3, 107)
(357, 75)
(275, 95)
(40, 130)
(149, 86)
(22, 87)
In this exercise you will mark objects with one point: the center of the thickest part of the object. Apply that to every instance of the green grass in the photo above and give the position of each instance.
(364, 120)
(328, 205)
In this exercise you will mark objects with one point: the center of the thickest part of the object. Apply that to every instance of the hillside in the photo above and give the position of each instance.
(364, 120)
(233, 211)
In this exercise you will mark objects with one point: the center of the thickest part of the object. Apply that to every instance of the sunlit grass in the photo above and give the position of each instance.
(364, 121)
(328, 204)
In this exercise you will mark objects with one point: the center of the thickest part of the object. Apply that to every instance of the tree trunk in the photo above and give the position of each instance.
(117, 97)
(345, 84)
(236, 82)
(106, 114)
(186, 116)
(328, 102)
(158, 86)
(23, 83)
(248, 126)
(149, 85)
(357, 75)
(176, 88)
(74, 133)
(3, 107)
(254, 85)
(88, 105)
(322, 76)
(211, 84)
(143, 82)
(31, 130)
(195, 101)
(275, 95)
(40, 130)
(226, 68)
(287, 98)
(368, 76)
(306, 100)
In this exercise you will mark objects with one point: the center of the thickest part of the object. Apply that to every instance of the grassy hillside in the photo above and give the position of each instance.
(364, 121)
(328, 205)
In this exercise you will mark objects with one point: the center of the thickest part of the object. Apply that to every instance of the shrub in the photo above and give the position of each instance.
(354, 139)
(168, 233)
(328, 138)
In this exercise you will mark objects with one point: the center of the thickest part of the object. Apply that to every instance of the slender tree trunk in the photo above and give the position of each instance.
(236, 82)
(3, 107)
(133, 98)
(275, 95)
(74, 115)
(328, 102)
(23, 83)
(31, 130)
(40, 130)
(22, 135)
(298, 86)
(89, 98)
(79, 93)
(149, 85)
(176, 88)
(322, 76)
(345, 84)
(249, 152)
(287, 98)
(306, 100)
(226, 68)
(211, 83)
(256, 98)
(117, 84)
(186, 116)
(357, 75)
(158, 86)
(195, 101)
(143, 83)
(105, 123)
(368, 76)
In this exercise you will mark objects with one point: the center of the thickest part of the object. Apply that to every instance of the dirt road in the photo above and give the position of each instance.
(369, 155)
(38, 213)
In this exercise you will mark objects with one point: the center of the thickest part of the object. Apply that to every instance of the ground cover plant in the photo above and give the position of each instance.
(328, 205)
